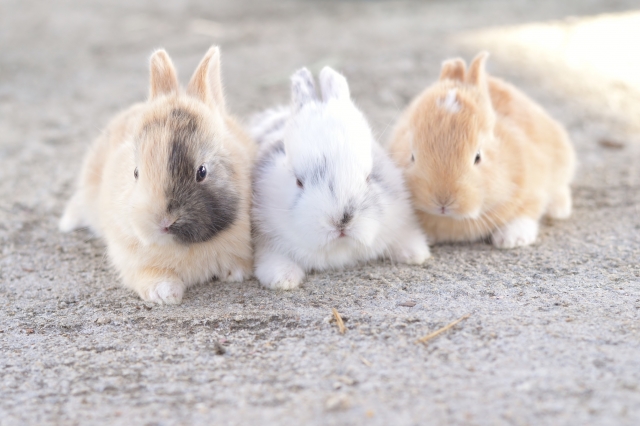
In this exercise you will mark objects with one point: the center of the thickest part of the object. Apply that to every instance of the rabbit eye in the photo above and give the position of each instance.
(413, 159)
(299, 183)
(135, 173)
(477, 160)
(201, 173)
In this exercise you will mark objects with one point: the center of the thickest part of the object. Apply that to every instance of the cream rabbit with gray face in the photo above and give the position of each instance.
(325, 194)
(168, 186)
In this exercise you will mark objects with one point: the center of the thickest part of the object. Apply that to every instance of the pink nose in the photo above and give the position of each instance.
(165, 224)
(443, 210)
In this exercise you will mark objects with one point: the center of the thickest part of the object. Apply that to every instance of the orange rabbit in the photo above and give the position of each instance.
(482, 159)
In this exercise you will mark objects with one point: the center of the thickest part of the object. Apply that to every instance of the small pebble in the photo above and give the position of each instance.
(611, 144)
(347, 380)
(218, 349)
(337, 402)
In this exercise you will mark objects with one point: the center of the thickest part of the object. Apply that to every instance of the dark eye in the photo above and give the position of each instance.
(135, 173)
(413, 159)
(477, 160)
(299, 183)
(201, 173)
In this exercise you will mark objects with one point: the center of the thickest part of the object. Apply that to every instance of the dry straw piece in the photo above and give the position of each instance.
(430, 336)
(339, 321)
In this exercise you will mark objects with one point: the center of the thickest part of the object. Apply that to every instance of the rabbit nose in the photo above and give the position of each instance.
(166, 223)
(444, 201)
(346, 218)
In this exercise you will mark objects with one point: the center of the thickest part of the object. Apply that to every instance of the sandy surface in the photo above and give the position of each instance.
(553, 336)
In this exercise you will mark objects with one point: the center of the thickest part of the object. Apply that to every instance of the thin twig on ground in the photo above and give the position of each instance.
(430, 336)
(365, 361)
(341, 327)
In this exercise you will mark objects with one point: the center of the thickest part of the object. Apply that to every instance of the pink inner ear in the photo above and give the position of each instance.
(333, 85)
(453, 70)
(206, 82)
(199, 85)
(476, 74)
(303, 88)
(164, 79)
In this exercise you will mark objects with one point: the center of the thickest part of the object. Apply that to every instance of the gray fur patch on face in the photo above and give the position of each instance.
(203, 209)
(317, 173)
(267, 158)
(371, 200)
(274, 128)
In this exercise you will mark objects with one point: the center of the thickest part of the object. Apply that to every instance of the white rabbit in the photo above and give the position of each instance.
(325, 194)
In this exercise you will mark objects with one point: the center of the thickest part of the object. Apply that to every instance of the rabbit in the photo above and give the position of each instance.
(481, 159)
(325, 193)
(168, 186)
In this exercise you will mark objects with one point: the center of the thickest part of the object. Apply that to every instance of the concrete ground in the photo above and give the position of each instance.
(553, 335)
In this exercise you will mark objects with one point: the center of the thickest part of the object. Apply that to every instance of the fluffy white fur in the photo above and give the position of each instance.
(450, 102)
(326, 145)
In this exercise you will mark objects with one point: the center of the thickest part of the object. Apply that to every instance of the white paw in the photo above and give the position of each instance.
(236, 275)
(413, 255)
(519, 232)
(411, 245)
(276, 272)
(286, 281)
(169, 292)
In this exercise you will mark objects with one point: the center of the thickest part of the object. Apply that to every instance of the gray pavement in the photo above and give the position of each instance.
(553, 335)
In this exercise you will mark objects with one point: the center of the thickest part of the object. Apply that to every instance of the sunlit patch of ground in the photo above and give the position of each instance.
(596, 59)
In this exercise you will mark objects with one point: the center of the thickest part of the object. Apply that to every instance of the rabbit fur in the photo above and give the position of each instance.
(325, 194)
(140, 186)
(481, 159)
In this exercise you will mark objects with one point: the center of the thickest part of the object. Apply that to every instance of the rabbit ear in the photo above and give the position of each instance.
(477, 73)
(453, 69)
(477, 76)
(206, 82)
(164, 79)
(303, 90)
(333, 85)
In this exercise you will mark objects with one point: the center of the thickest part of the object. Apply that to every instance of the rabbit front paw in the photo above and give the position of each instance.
(235, 275)
(275, 271)
(415, 254)
(166, 292)
(412, 249)
(517, 233)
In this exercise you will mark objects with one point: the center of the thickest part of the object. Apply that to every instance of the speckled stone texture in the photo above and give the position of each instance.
(553, 336)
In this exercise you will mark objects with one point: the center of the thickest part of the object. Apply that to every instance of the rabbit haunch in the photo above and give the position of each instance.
(481, 158)
(325, 193)
(168, 186)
